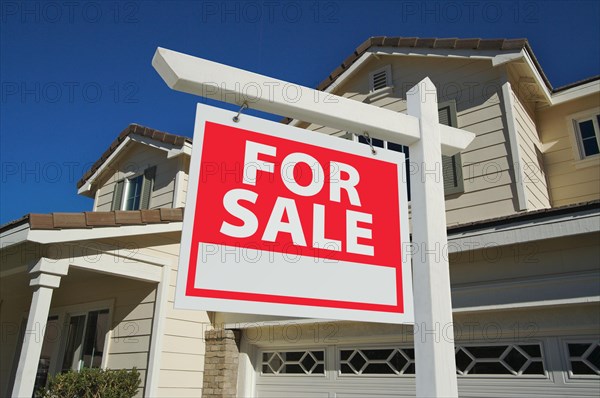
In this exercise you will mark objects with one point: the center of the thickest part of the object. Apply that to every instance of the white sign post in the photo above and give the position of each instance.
(420, 130)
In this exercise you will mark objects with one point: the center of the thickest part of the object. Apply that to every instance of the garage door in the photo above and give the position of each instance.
(544, 367)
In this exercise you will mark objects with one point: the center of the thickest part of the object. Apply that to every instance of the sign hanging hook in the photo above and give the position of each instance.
(370, 142)
(236, 118)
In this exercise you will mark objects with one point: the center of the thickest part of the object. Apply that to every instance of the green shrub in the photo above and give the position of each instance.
(93, 383)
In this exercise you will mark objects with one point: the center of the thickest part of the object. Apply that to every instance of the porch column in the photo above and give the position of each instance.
(46, 276)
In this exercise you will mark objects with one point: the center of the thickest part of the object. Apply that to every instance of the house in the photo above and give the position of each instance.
(523, 214)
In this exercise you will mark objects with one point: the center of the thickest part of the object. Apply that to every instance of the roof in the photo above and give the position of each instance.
(133, 128)
(526, 216)
(433, 43)
(96, 219)
(575, 84)
(99, 219)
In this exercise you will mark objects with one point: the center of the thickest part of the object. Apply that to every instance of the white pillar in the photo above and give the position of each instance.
(434, 336)
(46, 278)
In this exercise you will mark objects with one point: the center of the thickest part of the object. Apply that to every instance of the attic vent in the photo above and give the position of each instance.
(381, 78)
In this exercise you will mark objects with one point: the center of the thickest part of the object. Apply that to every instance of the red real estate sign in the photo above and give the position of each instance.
(283, 221)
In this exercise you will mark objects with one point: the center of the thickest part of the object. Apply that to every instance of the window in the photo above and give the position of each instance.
(588, 133)
(451, 165)
(494, 359)
(73, 345)
(86, 335)
(380, 79)
(134, 193)
(584, 358)
(377, 361)
(499, 359)
(584, 131)
(306, 362)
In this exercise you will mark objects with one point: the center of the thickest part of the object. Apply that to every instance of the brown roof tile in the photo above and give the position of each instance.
(150, 216)
(69, 220)
(425, 43)
(467, 44)
(133, 129)
(128, 217)
(41, 221)
(100, 218)
(97, 219)
(169, 214)
(445, 43)
(412, 42)
(407, 42)
(491, 44)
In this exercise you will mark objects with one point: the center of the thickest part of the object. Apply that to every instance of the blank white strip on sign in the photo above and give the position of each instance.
(247, 270)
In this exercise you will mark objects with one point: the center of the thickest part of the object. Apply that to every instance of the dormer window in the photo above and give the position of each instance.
(381, 78)
(134, 193)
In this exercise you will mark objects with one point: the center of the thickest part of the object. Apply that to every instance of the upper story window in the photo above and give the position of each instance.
(584, 131)
(451, 166)
(380, 79)
(588, 133)
(134, 193)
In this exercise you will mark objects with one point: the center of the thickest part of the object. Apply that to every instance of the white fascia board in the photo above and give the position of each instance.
(87, 186)
(576, 92)
(172, 150)
(186, 149)
(14, 236)
(526, 231)
(163, 146)
(71, 235)
(496, 57)
(537, 76)
(341, 79)
(220, 82)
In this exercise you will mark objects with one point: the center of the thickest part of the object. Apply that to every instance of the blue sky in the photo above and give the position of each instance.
(76, 73)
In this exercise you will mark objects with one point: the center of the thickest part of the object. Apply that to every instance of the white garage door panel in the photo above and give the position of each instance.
(545, 367)
(286, 393)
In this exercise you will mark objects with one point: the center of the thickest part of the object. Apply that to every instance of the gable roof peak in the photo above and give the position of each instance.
(137, 129)
(435, 43)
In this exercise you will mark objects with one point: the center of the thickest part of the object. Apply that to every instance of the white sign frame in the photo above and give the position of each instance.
(205, 113)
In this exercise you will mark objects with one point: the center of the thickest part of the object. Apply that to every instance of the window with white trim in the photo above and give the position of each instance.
(377, 361)
(85, 339)
(583, 358)
(296, 362)
(451, 166)
(134, 193)
(500, 359)
(471, 360)
(78, 343)
(588, 135)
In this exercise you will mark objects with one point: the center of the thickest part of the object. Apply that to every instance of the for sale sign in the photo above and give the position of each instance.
(284, 221)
